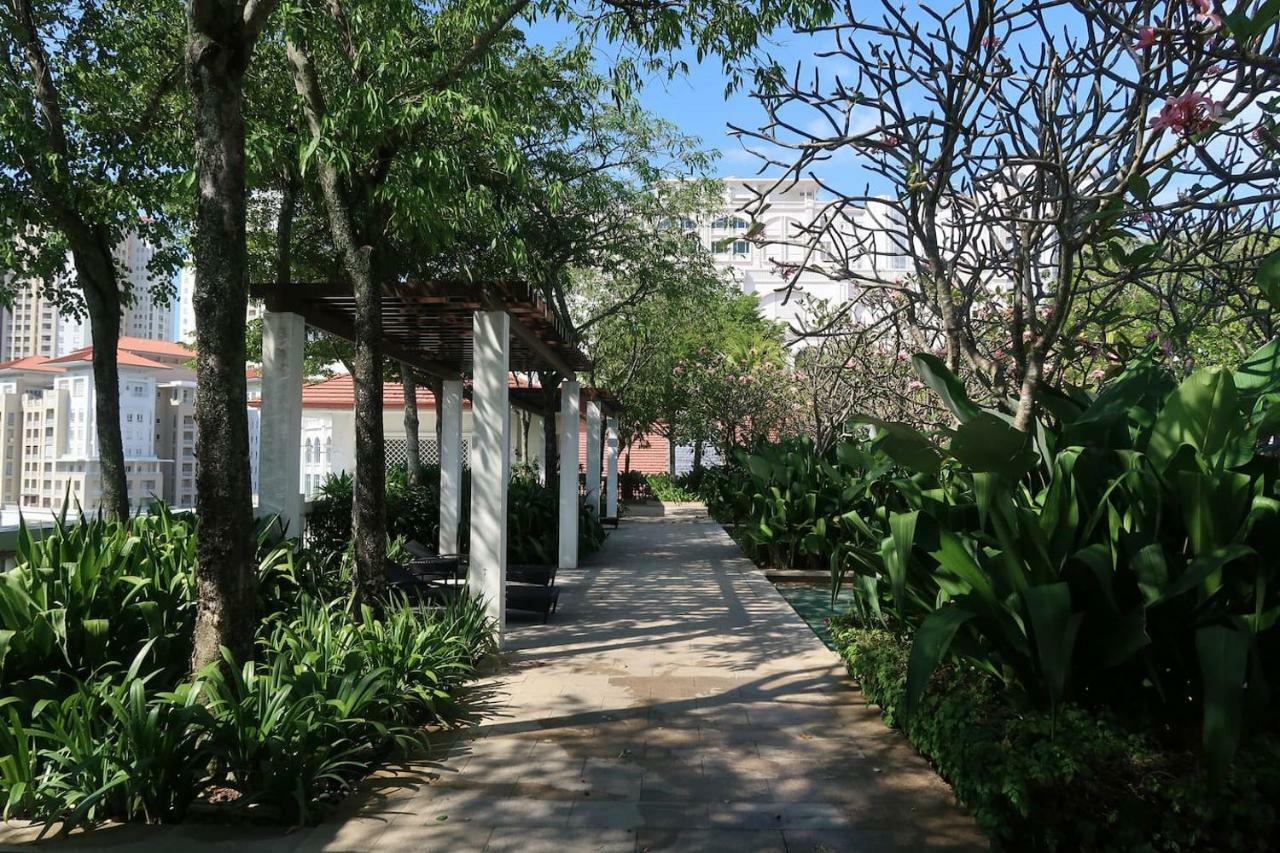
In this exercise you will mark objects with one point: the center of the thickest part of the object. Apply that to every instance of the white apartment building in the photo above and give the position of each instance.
(48, 439)
(764, 256)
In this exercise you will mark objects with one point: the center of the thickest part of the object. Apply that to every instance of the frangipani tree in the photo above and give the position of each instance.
(1014, 152)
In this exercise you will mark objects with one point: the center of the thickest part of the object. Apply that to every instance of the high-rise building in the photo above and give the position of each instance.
(48, 440)
(35, 325)
(30, 325)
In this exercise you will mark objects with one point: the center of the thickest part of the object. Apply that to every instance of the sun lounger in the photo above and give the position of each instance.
(539, 575)
(533, 599)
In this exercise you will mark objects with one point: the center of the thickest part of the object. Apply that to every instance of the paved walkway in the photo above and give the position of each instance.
(676, 702)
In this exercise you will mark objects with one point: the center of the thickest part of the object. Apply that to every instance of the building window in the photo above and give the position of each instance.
(741, 247)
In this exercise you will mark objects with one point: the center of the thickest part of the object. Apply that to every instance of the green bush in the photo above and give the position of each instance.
(1081, 781)
(668, 490)
(102, 721)
(1117, 556)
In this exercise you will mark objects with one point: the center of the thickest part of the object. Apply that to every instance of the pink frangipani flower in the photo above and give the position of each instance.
(1188, 113)
(1146, 38)
(1205, 12)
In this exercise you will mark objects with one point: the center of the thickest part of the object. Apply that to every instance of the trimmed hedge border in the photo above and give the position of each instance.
(1089, 785)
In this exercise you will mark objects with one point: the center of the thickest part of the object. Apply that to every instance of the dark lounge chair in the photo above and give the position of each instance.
(539, 575)
(533, 599)
(429, 565)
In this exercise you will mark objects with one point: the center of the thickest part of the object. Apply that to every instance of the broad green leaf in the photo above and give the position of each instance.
(902, 527)
(1260, 371)
(1053, 629)
(932, 640)
(1202, 413)
(953, 556)
(1268, 278)
(985, 443)
(1224, 655)
(904, 445)
(946, 385)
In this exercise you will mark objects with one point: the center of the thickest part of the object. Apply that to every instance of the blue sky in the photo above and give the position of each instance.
(696, 103)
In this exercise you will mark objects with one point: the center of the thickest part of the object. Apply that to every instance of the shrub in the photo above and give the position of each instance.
(668, 490)
(1117, 557)
(104, 723)
(1078, 782)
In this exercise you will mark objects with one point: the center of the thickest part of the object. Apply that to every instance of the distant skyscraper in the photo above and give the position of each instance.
(35, 326)
(187, 310)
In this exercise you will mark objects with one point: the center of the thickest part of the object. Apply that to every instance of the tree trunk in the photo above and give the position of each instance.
(697, 456)
(1024, 417)
(550, 382)
(368, 510)
(413, 456)
(95, 268)
(436, 386)
(671, 454)
(218, 51)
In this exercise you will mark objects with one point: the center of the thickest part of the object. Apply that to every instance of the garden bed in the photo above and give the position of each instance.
(1086, 783)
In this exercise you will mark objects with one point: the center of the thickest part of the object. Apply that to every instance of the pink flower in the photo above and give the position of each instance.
(1146, 38)
(1097, 374)
(888, 140)
(677, 371)
(990, 42)
(1204, 11)
(903, 355)
(998, 355)
(1189, 113)
(915, 385)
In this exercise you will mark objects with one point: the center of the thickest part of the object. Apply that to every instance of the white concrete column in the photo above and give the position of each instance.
(593, 455)
(280, 440)
(611, 467)
(490, 463)
(450, 413)
(569, 474)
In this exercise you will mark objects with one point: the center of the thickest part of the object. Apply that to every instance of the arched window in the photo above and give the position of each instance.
(307, 455)
(328, 449)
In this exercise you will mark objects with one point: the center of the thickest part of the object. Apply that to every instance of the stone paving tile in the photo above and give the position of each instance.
(710, 841)
(560, 840)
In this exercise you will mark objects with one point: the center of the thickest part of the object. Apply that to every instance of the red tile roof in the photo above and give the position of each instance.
(31, 362)
(147, 346)
(339, 393)
(137, 348)
(123, 358)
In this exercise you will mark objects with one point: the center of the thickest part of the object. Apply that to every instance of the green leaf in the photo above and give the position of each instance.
(1203, 413)
(946, 385)
(902, 527)
(1268, 278)
(1260, 371)
(933, 639)
(905, 445)
(1224, 655)
(986, 443)
(953, 556)
(1054, 629)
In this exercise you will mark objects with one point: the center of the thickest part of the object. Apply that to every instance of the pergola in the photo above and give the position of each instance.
(449, 330)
